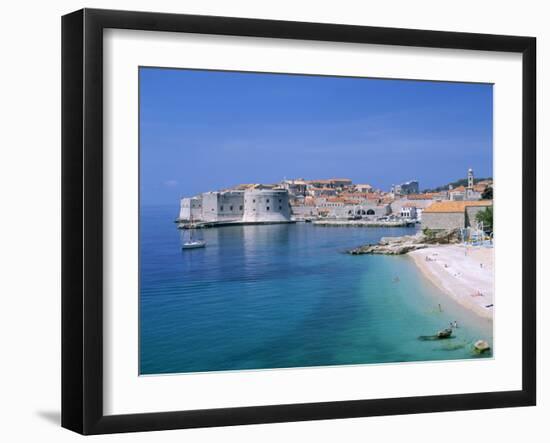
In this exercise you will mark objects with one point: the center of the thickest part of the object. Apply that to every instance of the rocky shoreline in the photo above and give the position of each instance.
(408, 243)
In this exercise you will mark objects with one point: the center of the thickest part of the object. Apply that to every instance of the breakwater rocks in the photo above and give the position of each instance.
(408, 243)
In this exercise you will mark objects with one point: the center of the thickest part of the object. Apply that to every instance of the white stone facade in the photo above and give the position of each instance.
(191, 208)
(408, 212)
(443, 220)
(222, 206)
(266, 206)
(366, 210)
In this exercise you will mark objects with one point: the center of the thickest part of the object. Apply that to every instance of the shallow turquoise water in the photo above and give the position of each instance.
(280, 296)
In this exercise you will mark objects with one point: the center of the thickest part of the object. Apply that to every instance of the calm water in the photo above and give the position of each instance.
(279, 296)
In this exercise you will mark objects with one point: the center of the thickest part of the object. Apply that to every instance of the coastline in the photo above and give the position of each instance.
(465, 273)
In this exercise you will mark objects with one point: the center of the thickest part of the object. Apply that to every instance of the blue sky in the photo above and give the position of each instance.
(206, 130)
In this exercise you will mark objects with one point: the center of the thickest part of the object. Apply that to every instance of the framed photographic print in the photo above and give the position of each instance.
(269, 221)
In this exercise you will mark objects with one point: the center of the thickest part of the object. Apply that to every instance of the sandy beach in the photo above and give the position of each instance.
(464, 273)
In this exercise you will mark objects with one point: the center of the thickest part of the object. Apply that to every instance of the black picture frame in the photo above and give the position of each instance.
(82, 218)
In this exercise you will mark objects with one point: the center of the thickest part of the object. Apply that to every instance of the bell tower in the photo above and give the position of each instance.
(470, 178)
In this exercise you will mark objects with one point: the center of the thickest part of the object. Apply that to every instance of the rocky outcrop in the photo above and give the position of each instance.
(408, 243)
(481, 346)
(392, 249)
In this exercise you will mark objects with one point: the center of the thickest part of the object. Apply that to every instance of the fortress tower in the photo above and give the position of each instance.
(266, 206)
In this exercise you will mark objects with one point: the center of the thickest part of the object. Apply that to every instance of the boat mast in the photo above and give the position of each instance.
(190, 224)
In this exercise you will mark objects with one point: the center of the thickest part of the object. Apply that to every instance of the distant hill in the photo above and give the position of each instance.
(461, 182)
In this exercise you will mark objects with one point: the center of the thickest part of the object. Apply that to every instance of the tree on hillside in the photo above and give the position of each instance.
(456, 184)
(486, 217)
(487, 194)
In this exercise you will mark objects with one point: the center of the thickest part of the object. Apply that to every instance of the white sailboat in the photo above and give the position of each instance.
(192, 243)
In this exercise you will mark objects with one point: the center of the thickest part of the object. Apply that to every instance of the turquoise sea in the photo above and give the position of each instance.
(281, 296)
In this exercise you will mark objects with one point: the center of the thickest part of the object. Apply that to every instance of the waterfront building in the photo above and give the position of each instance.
(453, 214)
(420, 204)
(346, 209)
(408, 210)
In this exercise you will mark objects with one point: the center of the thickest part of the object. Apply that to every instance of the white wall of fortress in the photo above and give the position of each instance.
(222, 206)
(251, 206)
(266, 205)
(190, 206)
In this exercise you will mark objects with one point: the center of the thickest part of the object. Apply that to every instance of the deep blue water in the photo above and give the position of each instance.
(278, 296)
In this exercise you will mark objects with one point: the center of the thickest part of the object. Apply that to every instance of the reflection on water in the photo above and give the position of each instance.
(285, 296)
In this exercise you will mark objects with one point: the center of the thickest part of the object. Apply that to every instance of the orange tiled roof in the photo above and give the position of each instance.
(426, 196)
(455, 206)
(458, 189)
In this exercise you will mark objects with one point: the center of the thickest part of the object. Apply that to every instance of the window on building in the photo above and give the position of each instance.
(370, 212)
(267, 208)
(221, 208)
(280, 200)
(230, 208)
(280, 208)
(253, 201)
(267, 200)
(240, 208)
